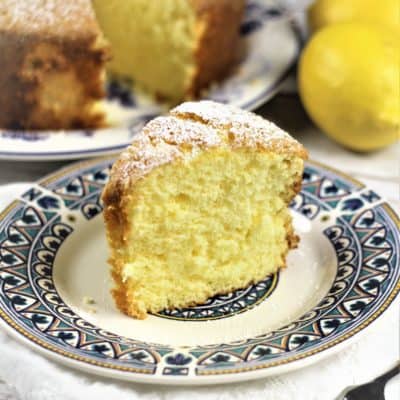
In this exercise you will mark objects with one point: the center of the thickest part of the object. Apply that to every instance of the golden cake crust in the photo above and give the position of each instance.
(190, 127)
(216, 53)
(52, 51)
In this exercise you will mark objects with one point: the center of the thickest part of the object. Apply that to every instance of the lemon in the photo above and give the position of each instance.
(385, 13)
(349, 84)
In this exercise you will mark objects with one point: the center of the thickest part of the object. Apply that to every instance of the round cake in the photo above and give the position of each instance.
(52, 59)
(55, 52)
(198, 206)
(172, 48)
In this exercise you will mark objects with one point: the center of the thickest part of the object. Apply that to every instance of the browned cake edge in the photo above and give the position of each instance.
(216, 54)
(29, 61)
(140, 159)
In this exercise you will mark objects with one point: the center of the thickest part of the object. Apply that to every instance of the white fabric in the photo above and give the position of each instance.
(39, 379)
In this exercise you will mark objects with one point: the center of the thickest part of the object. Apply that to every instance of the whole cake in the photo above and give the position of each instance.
(53, 54)
(198, 205)
(174, 48)
(52, 64)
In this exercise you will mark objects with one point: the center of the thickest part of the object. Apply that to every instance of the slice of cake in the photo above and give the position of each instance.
(173, 48)
(52, 64)
(198, 205)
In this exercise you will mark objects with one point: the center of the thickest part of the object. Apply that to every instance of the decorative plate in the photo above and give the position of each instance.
(272, 46)
(54, 286)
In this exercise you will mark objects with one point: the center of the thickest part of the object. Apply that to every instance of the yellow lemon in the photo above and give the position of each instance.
(349, 84)
(385, 12)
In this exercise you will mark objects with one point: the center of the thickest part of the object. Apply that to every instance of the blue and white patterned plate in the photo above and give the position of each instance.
(53, 254)
(272, 43)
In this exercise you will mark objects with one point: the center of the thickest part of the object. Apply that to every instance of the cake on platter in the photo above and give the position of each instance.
(198, 206)
(55, 52)
(52, 61)
(173, 48)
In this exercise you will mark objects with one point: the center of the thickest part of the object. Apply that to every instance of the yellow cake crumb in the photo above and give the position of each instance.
(198, 205)
(88, 300)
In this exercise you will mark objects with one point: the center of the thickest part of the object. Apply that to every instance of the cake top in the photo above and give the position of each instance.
(188, 129)
(245, 128)
(180, 131)
(54, 18)
(162, 140)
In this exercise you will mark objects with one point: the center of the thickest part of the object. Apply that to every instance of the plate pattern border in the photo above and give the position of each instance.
(175, 363)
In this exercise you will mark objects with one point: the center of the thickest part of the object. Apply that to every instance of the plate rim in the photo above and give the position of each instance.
(207, 377)
(224, 378)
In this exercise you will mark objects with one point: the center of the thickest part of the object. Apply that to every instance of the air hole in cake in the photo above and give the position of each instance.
(182, 198)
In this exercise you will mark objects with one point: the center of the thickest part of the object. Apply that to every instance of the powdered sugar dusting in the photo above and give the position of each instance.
(142, 156)
(246, 128)
(180, 132)
(192, 127)
(162, 140)
(48, 16)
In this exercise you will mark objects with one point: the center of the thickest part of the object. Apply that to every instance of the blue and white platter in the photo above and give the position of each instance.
(54, 287)
(272, 43)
